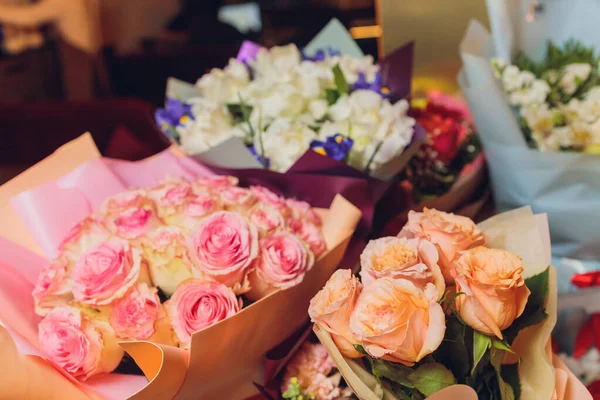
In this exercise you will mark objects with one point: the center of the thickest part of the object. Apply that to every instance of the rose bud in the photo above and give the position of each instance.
(52, 288)
(168, 264)
(223, 246)
(237, 199)
(87, 233)
(303, 210)
(399, 258)
(396, 321)
(265, 196)
(452, 234)
(118, 204)
(266, 218)
(332, 306)
(310, 233)
(81, 346)
(495, 291)
(106, 272)
(284, 260)
(138, 314)
(197, 305)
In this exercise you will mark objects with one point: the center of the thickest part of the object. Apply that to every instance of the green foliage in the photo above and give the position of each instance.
(454, 351)
(340, 80)
(558, 57)
(431, 377)
(332, 96)
(294, 391)
(239, 112)
(510, 374)
(481, 344)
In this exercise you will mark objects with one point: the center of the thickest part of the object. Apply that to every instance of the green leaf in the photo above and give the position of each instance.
(481, 344)
(431, 378)
(510, 374)
(332, 96)
(394, 372)
(360, 349)
(239, 112)
(454, 352)
(534, 312)
(502, 345)
(340, 80)
(506, 391)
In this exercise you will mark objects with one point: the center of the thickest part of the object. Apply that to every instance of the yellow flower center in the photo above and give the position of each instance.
(394, 256)
(385, 90)
(320, 151)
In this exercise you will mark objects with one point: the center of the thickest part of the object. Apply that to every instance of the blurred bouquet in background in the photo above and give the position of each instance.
(558, 99)
(451, 144)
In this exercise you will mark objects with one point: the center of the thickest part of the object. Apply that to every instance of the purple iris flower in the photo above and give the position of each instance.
(375, 86)
(169, 117)
(321, 54)
(263, 161)
(335, 146)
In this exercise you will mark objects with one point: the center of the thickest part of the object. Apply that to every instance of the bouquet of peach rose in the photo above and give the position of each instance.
(161, 263)
(445, 305)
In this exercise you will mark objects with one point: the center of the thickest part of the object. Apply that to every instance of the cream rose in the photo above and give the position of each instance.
(310, 233)
(223, 246)
(197, 305)
(117, 204)
(303, 210)
(495, 291)
(106, 272)
(134, 223)
(168, 263)
(133, 316)
(237, 198)
(266, 218)
(399, 258)
(80, 346)
(332, 306)
(169, 196)
(452, 234)
(52, 288)
(87, 233)
(283, 262)
(214, 183)
(396, 321)
(265, 196)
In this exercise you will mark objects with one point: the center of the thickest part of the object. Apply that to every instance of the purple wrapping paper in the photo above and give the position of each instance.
(396, 70)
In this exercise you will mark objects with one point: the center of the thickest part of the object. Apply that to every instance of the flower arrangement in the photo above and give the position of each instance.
(557, 100)
(282, 103)
(451, 145)
(436, 307)
(162, 263)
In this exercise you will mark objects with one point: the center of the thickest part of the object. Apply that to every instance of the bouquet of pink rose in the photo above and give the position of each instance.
(444, 303)
(198, 245)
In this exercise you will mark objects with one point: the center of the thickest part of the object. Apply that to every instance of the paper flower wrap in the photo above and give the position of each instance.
(390, 319)
(64, 188)
(563, 184)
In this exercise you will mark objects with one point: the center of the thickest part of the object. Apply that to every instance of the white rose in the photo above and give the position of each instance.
(573, 76)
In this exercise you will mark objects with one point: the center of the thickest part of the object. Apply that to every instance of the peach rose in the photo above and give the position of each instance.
(80, 346)
(310, 233)
(495, 291)
(237, 198)
(106, 272)
(215, 183)
(134, 223)
(399, 258)
(117, 204)
(189, 214)
(453, 234)
(168, 263)
(266, 218)
(396, 321)
(197, 305)
(134, 315)
(52, 288)
(169, 196)
(283, 261)
(303, 210)
(87, 233)
(223, 246)
(332, 306)
(265, 196)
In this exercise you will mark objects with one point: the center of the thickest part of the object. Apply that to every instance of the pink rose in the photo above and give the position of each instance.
(396, 321)
(223, 246)
(237, 198)
(266, 218)
(265, 196)
(310, 233)
(168, 263)
(303, 210)
(106, 272)
(399, 258)
(198, 305)
(87, 233)
(169, 196)
(195, 208)
(215, 183)
(52, 288)
(283, 262)
(78, 345)
(117, 204)
(332, 306)
(134, 223)
(452, 234)
(133, 316)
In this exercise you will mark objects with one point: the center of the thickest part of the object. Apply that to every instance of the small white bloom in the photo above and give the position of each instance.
(284, 142)
(352, 66)
(342, 109)
(512, 79)
(574, 76)
(318, 108)
(277, 62)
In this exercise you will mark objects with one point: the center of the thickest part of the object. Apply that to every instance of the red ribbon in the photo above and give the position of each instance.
(587, 280)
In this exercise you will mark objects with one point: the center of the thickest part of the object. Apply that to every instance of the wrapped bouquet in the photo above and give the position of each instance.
(448, 309)
(189, 276)
(535, 105)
